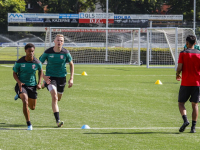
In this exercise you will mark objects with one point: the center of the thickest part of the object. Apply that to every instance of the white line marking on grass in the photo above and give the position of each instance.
(135, 75)
(67, 73)
(134, 128)
(6, 66)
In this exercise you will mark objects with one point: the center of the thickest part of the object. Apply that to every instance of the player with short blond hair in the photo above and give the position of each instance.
(55, 78)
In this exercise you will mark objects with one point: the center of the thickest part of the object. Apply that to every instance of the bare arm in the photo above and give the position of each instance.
(40, 75)
(70, 82)
(178, 71)
(18, 81)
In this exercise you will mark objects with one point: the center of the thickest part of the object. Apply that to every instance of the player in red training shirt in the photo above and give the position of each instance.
(189, 67)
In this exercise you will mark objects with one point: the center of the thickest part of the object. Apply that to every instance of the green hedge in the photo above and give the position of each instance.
(117, 55)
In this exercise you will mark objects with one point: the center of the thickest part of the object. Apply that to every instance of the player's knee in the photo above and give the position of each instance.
(55, 99)
(25, 102)
(32, 107)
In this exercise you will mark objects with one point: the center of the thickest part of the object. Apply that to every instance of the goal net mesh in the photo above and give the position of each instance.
(164, 45)
(88, 45)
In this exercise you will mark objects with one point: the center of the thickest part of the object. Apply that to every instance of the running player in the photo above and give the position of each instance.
(55, 78)
(24, 73)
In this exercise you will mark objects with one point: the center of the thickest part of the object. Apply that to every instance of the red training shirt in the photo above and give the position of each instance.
(190, 58)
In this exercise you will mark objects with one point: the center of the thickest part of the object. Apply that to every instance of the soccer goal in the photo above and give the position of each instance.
(99, 45)
(164, 46)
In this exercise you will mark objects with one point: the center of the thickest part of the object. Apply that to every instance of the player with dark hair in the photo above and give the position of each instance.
(55, 78)
(189, 66)
(24, 73)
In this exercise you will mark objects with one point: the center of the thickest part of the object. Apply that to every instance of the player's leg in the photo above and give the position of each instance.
(23, 95)
(194, 100)
(54, 99)
(61, 82)
(32, 97)
(184, 94)
(182, 108)
(32, 103)
(194, 116)
(59, 96)
(24, 98)
(61, 86)
(53, 91)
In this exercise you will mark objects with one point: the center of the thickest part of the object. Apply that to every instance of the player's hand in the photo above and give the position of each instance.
(20, 86)
(70, 82)
(47, 80)
(38, 86)
(178, 77)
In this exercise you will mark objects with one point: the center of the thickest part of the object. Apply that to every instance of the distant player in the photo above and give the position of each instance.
(189, 65)
(55, 78)
(195, 47)
(24, 73)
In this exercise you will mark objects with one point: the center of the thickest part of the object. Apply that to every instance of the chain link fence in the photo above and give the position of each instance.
(12, 43)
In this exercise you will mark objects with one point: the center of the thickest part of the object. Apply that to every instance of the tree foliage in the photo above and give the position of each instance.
(185, 7)
(132, 6)
(10, 6)
(66, 6)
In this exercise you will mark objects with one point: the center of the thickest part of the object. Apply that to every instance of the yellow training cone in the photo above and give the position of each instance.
(84, 73)
(158, 82)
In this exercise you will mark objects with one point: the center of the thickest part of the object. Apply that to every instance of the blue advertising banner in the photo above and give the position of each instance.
(38, 17)
(35, 20)
(70, 16)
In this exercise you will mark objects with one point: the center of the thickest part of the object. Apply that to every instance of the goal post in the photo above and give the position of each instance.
(88, 45)
(164, 46)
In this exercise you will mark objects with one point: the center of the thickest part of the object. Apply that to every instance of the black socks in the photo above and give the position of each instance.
(185, 118)
(56, 114)
(28, 123)
(193, 124)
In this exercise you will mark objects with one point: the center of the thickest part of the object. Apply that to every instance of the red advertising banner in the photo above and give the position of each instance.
(92, 30)
(95, 20)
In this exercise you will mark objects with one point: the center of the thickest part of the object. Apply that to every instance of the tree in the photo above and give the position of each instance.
(132, 6)
(66, 6)
(186, 8)
(10, 6)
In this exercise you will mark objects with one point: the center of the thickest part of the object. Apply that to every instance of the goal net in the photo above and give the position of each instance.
(99, 45)
(164, 46)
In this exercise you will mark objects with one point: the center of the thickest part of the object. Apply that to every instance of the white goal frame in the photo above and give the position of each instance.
(173, 39)
(134, 42)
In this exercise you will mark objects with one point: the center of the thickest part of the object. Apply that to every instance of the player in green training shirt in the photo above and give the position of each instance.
(55, 78)
(24, 73)
(195, 47)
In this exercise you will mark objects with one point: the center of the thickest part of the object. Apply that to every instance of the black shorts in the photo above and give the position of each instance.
(29, 90)
(59, 83)
(187, 92)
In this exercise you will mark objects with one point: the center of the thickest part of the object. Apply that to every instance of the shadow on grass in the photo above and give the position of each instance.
(136, 133)
(4, 126)
(11, 125)
(12, 129)
(122, 69)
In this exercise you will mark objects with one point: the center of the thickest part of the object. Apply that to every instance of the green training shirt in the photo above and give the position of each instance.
(26, 70)
(195, 47)
(56, 62)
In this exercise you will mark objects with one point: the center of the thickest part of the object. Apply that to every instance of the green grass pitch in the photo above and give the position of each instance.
(121, 104)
